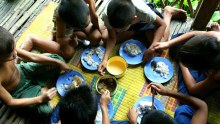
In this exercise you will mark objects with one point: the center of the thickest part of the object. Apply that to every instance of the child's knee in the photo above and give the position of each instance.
(67, 52)
(95, 38)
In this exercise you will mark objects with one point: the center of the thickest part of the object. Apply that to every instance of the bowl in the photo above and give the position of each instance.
(116, 66)
(106, 82)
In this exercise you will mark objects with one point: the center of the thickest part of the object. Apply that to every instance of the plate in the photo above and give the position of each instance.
(132, 60)
(67, 78)
(158, 105)
(94, 57)
(155, 76)
(110, 110)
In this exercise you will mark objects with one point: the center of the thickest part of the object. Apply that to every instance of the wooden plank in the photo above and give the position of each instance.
(4, 117)
(178, 25)
(13, 10)
(18, 15)
(102, 6)
(31, 18)
(11, 118)
(25, 17)
(204, 14)
(17, 120)
(2, 110)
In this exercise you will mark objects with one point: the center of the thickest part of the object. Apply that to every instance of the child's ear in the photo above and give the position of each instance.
(134, 18)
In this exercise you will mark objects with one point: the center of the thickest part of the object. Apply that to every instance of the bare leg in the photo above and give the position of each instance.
(49, 46)
(215, 27)
(91, 34)
(172, 13)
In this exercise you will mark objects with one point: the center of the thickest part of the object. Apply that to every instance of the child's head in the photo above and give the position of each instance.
(157, 117)
(79, 105)
(121, 14)
(7, 45)
(201, 53)
(74, 13)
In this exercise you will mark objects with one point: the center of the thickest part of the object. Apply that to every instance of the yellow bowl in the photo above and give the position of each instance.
(106, 82)
(116, 66)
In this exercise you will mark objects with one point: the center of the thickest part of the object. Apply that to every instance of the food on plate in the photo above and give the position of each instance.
(89, 59)
(76, 82)
(132, 49)
(144, 106)
(162, 69)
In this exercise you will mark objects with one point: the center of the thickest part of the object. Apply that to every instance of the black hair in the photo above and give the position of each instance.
(6, 43)
(157, 117)
(74, 13)
(201, 53)
(120, 13)
(79, 105)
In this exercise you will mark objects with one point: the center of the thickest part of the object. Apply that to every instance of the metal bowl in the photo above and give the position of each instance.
(106, 82)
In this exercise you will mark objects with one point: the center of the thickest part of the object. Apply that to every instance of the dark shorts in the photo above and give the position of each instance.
(34, 76)
(143, 26)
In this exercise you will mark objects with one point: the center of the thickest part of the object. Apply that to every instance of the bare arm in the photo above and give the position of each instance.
(109, 46)
(105, 98)
(181, 39)
(39, 58)
(201, 109)
(6, 97)
(161, 26)
(61, 38)
(94, 16)
(192, 86)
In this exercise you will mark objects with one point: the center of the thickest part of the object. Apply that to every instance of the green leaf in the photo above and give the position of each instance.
(216, 16)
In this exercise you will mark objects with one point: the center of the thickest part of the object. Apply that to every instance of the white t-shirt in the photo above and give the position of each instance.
(143, 12)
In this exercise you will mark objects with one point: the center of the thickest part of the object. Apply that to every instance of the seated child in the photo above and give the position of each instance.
(71, 21)
(125, 18)
(196, 113)
(23, 85)
(79, 105)
(199, 59)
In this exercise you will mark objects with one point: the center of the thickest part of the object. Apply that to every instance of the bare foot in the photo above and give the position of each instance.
(177, 14)
(27, 44)
(215, 27)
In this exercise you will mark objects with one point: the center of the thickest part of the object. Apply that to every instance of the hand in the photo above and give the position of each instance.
(132, 115)
(102, 67)
(148, 55)
(105, 98)
(161, 46)
(47, 96)
(159, 88)
(64, 66)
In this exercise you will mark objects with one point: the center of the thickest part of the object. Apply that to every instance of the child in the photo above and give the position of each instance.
(22, 85)
(71, 21)
(195, 114)
(125, 18)
(201, 52)
(80, 106)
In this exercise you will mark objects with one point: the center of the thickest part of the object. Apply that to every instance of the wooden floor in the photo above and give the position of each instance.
(16, 16)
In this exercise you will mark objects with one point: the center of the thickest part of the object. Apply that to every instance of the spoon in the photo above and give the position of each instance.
(153, 94)
(85, 42)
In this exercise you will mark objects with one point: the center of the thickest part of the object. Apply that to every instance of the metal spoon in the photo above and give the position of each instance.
(84, 42)
(153, 94)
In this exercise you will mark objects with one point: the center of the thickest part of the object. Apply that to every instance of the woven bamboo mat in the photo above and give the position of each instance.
(132, 85)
